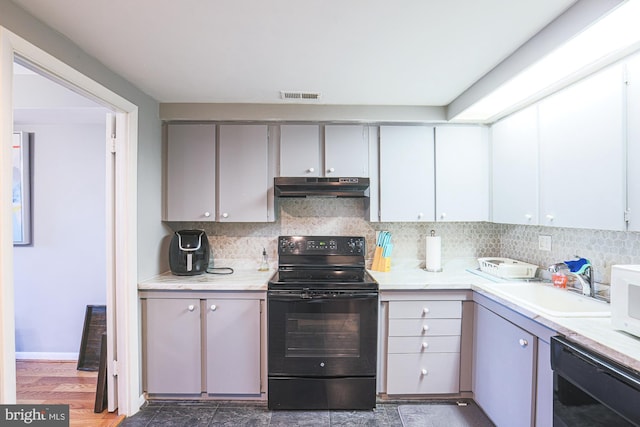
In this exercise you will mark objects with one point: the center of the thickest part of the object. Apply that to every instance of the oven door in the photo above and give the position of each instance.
(322, 333)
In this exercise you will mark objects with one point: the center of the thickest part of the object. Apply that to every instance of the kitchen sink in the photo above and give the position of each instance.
(548, 300)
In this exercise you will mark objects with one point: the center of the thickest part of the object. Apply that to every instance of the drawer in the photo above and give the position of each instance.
(438, 344)
(425, 309)
(426, 373)
(423, 327)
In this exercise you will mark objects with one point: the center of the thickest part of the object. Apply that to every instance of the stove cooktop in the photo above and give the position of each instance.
(300, 278)
(321, 262)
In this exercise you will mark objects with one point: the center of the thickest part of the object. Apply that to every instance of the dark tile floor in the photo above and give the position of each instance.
(235, 414)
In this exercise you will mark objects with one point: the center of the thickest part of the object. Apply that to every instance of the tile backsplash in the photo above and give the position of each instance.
(326, 216)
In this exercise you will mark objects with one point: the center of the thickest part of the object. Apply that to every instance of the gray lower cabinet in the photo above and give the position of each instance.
(544, 386)
(173, 346)
(423, 348)
(202, 343)
(512, 376)
(504, 367)
(233, 346)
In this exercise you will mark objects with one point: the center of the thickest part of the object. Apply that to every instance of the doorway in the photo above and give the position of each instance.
(62, 268)
(121, 266)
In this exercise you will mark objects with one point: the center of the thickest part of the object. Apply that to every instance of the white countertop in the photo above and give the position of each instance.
(594, 333)
(410, 275)
(245, 277)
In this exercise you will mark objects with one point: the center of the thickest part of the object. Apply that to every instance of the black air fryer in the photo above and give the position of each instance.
(189, 252)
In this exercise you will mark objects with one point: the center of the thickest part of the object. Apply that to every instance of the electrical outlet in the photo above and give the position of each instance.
(544, 242)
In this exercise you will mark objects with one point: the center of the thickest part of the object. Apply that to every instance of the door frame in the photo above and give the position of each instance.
(122, 266)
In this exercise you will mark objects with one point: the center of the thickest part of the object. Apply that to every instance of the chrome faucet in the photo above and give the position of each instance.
(586, 281)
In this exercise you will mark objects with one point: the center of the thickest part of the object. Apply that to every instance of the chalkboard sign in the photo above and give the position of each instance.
(95, 324)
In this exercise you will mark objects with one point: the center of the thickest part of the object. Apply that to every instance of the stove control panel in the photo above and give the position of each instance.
(312, 245)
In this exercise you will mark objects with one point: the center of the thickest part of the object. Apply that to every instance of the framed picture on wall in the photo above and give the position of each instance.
(21, 158)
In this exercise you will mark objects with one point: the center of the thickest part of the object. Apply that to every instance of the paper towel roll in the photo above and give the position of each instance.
(434, 254)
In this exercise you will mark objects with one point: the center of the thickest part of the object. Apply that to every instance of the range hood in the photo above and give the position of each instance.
(321, 187)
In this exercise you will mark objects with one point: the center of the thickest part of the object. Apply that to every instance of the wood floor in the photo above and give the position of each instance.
(59, 382)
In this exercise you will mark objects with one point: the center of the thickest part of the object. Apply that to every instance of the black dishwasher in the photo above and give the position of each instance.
(591, 390)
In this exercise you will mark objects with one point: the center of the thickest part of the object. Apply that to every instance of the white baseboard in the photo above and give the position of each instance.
(27, 355)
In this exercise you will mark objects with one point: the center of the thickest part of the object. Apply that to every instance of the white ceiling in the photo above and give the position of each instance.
(353, 52)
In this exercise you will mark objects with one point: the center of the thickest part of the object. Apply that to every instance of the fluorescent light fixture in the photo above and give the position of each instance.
(597, 45)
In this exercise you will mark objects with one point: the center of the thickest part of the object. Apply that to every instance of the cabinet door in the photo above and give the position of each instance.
(243, 173)
(544, 386)
(462, 173)
(233, 346)
(346, 150)
(582, 156)
(423, 373)
(191, 172)
(173, 349)
(514, 149)
(300, 150)
(407, 180)
(633, 142)
(503, 370)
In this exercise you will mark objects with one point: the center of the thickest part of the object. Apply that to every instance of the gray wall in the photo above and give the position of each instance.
(64, 269)
(150, 230)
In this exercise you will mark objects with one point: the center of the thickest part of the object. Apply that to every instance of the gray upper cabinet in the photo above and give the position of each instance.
(344, 151)
(300, 151)
(633, 143)
(514, 142)
(190, 174)
(582, 154)
(243, 174)
(407, 179)
(462, 173)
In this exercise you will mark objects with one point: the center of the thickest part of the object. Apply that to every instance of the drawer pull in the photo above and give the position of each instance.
(425, 310)
(191, 307)
(425, 328)
(425, 345)
(523, 343)
(423, 372)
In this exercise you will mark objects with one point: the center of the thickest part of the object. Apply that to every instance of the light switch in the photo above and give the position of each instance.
(544, 242)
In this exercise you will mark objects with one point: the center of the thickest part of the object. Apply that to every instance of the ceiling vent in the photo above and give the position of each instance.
(288, 95)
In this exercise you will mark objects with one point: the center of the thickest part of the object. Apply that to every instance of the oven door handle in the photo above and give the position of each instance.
(319, 295)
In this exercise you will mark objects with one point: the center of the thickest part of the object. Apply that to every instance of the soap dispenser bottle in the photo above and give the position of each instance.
(264, 264)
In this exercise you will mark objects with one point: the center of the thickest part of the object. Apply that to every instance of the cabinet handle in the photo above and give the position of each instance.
(528, 217)
(207, 214)
(311, 170)
(425, 345)
(420, 215)
(523, 343)
(213, 307)
(425, 310)
(550, 217)
(331, 170)
(443, 215)
(225, 215)
(425, 328)
(191, 307)
(424, 372)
